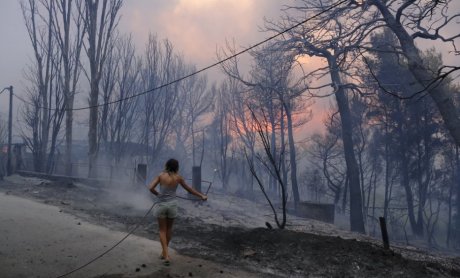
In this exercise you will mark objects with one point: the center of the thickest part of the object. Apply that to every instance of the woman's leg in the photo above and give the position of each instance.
(162, 224)
(169, 225)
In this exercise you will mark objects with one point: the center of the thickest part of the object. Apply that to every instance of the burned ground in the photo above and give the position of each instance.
(271, 252)
(300, 254)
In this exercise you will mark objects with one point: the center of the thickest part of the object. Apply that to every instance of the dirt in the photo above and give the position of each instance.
(226, 231)
(300, 254)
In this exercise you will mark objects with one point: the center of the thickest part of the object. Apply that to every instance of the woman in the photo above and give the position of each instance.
(166, 209)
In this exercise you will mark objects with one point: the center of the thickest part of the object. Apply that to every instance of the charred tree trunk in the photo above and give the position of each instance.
(224, 141)
(100, 20)
(345, 194)
(42, 42)
(387, 199)
(44, 130)
(71, 64)
(91, 25)
(284, 170)
(356, 206)
(68, 134)
(409, 196)
(92, 133)
(292, 155)
(457, 215)
(272, 149)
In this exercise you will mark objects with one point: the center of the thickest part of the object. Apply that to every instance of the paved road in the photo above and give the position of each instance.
(37, 240)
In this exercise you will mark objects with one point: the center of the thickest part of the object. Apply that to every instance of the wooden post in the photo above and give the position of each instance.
(9, 168)
(383, 228)
(141, 173)
(196, 178)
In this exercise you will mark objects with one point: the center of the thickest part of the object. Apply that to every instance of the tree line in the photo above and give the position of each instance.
(396, 110)
(77, 49)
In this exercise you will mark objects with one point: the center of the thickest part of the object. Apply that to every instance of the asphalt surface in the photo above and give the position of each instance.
(39, 240)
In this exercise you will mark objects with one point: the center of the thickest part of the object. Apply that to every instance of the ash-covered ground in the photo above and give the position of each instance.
(232, 230)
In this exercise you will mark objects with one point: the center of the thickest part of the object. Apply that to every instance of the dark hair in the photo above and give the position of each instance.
(172, 166)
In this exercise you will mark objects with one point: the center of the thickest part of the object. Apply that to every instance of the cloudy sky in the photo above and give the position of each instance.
(195, 27)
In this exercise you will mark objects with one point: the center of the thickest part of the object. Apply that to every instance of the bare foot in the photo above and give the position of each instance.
(167, 262)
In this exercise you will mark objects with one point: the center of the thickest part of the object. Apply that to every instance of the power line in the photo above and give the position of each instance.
(111, 248)
(25, 101)
(125, 237)
(205, 68)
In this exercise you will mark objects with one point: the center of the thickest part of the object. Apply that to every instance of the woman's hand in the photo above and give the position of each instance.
(204, 197)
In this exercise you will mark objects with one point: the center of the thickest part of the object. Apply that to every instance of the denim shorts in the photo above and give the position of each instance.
(166, 210)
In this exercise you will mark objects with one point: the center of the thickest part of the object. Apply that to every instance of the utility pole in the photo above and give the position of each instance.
(9, 169)
(10, 134)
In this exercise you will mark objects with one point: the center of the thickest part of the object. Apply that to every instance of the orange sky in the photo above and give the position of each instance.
(198, 27)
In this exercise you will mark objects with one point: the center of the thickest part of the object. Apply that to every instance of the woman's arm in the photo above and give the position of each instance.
(154, 184)
(191, 190)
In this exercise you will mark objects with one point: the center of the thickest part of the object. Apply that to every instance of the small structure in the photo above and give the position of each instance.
(317, 211)
(196, 178)
(2, 164)
(17, 154)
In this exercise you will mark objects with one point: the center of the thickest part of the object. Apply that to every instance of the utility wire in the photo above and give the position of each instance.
(207, 67)
(165, 85)
(111, 248)
(126, 236)
(25, 101)
(121, 240)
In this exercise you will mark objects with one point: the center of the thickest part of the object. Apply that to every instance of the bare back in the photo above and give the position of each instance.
(168, 186)
(169, 179)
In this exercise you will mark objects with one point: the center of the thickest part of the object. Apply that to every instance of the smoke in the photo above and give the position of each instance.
(136, 199)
